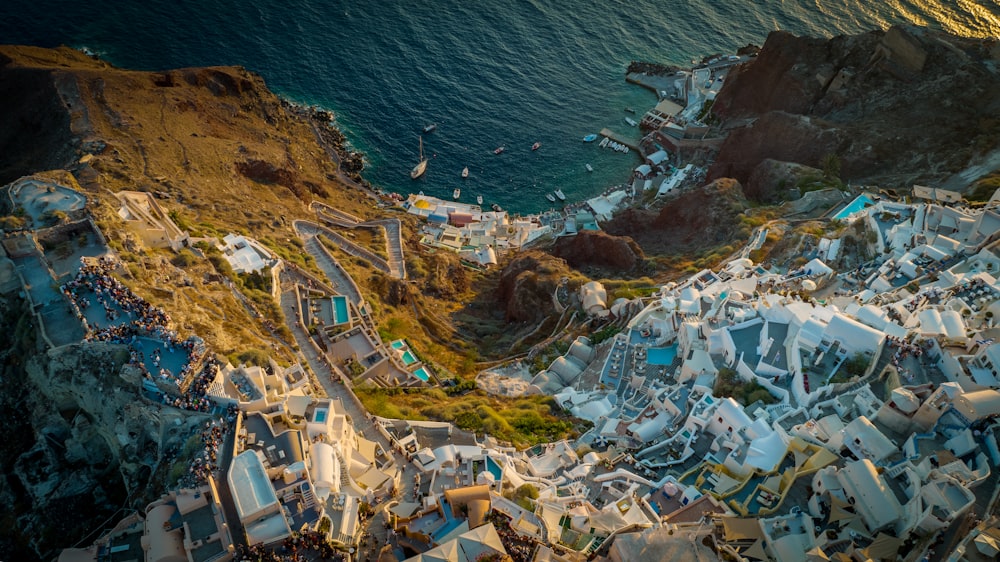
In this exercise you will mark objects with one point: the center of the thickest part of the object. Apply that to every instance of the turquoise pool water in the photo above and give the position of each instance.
(408, 358)
(859, 203)
(340, 314)
(422, 374)
(493, 468)
(661, 355)
(320, 416)
(398, 344)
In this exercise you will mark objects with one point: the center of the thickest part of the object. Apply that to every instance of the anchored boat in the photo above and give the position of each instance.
(420, 168)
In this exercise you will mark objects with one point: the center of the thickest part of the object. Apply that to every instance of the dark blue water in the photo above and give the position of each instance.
(488, 73)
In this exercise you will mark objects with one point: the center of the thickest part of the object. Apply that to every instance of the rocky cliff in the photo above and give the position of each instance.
(222, 153)
(701, 218)
(893, 107)
(594, 249)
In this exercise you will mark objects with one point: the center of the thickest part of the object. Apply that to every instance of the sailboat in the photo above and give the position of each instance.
(420, 168)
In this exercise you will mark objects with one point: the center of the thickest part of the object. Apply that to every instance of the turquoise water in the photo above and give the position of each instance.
(493, 468)
(859, 203)
(422, 374)
(488, 73)
(408, 358)
(320, 416)
(661, 355)
(340, 313)
(398, 344)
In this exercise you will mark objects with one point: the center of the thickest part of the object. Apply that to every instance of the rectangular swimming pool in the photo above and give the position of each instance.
(661, 355)
(398, 344)
(340, 312)
(493, 468)
(422, 374)
(408, 358)
(856, 206)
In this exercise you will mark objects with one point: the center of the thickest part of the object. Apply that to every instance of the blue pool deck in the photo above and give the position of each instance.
(854, 207)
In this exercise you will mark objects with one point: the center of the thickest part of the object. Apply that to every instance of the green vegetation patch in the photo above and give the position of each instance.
(729, 383)
(522, 421)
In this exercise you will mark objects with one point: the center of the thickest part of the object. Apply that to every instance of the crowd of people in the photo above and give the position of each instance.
(904, 350)
(113, 295)
(519, 548)
(309, 546)
(206, 461)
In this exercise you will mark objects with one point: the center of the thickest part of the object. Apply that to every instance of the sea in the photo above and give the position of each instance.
(488, 74)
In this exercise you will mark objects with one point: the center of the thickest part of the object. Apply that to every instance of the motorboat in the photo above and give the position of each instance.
(479, 199)
(631, 122)
(430, 128)
(496, 207)
(465, 172)
(590, 168)
(629, 110)
(604, 142)
(456, 194)
(590, 138)
(550, 197)
(560, 195)
(499, 150)
(420, 168)
(536, 146)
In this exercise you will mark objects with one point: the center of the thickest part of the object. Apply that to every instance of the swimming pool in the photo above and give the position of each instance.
(398, 344)
(661, 355)
(422, 374)
(320, 415)
(856, 206)
(340, 313)
(408, 358)
(493, 468)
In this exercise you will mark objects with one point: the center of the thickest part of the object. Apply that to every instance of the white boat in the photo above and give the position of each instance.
(536, 146)
(604, 142)
(456, 194)
(560, 195)
(550, 197)
(465, 172)
(430, 128)
(631, 122)
(420, 168)
(479, 199)
(590, 168)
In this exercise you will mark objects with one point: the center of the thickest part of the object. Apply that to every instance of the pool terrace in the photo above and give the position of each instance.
(854, 207)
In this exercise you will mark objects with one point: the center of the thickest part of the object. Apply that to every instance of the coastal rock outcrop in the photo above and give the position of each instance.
(698, 219)
(594, 248)
(897, 106)
(527, 284)
(87, 442)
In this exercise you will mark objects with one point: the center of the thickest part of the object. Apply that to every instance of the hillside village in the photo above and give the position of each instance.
(815, 407)
(743, 412)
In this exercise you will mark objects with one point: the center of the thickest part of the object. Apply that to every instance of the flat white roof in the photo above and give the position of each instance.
(252, 489)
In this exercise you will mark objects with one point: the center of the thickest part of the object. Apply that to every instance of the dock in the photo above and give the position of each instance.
(633, 145)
